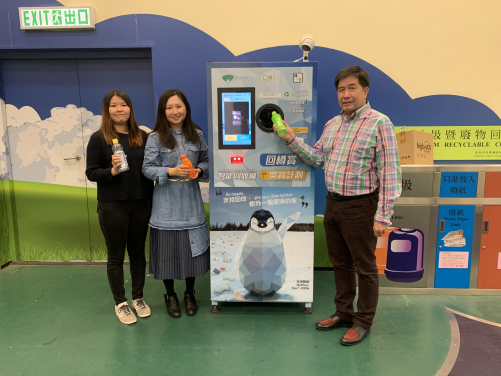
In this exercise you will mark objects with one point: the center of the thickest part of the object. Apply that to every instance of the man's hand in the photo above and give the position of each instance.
(289, 136)
(379, 229)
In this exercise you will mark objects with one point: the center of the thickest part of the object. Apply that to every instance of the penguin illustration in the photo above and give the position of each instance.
(260, 259)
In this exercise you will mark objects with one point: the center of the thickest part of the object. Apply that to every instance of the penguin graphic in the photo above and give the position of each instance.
(260, 259)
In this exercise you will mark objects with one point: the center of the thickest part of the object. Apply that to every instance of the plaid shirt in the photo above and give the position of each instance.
(361, 154)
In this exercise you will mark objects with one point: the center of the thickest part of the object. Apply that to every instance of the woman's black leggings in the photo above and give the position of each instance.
(125, 226)
(169, 285)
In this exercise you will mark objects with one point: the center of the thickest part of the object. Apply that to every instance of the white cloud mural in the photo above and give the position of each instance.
(38, 148)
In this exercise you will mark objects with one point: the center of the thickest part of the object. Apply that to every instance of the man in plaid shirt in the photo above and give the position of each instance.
(362, 174)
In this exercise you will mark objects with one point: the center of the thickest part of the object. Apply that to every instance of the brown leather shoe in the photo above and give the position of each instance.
(172, 304)
(354, 335)
(190, 303)
(332, 323)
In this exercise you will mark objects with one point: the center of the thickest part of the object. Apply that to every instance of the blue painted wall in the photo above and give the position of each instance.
(181, 64)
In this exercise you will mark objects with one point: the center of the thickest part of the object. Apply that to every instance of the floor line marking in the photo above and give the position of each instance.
(452, 356)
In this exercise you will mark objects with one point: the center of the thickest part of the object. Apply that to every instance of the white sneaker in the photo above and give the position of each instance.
(141, 308)
(124, 314)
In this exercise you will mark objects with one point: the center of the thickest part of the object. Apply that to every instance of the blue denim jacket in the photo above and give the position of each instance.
(176, 206)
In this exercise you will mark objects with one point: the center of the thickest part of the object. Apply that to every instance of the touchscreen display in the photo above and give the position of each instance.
(236, 118)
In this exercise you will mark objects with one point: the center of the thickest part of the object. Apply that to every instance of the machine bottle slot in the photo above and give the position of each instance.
(441, 226)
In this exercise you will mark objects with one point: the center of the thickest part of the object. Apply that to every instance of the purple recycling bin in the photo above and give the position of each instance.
(404, 262)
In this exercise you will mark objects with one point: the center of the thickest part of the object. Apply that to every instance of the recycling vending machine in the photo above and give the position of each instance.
(261, 193)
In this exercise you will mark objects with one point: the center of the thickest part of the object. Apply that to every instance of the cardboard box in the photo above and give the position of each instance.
(415, 148)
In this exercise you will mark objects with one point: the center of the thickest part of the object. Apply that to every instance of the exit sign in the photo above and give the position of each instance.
(53, 18)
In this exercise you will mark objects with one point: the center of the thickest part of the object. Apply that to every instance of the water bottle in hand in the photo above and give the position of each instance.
(277, 120)
(119, 150)
(188, 164)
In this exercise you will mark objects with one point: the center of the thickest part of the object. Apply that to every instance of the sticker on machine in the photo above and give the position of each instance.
(454, 239)
(282, 174)
(270, 95)
(453, 260)
(269, 78)
(297, 77)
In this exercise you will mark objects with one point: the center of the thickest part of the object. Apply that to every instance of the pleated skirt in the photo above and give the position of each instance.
(171, 257)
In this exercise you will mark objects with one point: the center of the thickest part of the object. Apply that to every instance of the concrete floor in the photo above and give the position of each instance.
(60, 320)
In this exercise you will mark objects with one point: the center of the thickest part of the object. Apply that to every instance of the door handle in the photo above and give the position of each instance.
(441, 227)
(77, 157)
(485, 227)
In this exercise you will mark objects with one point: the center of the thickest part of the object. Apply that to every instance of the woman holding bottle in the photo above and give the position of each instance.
(124, 199)
(179, 237)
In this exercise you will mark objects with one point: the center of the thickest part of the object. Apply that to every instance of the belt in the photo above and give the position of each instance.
(179, 180)
(339, 197)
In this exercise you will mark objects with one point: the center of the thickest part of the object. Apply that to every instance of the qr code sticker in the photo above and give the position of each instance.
(297, 77)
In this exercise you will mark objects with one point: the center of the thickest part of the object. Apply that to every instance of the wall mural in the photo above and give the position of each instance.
(36, 145)
(38, 142)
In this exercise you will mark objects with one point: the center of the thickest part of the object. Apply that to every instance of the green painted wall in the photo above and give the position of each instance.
(54, 223)
(60, 223)
(4, 224)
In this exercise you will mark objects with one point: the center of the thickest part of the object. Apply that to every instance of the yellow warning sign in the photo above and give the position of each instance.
(300, 129)
(282, 174)
(481, 142)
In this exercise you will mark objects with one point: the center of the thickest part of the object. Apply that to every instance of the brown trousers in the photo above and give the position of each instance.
(351, 245)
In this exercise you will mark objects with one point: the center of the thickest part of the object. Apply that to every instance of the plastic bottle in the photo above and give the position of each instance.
(119, 150)
(277, 120)
(222, 289)
(188, 164)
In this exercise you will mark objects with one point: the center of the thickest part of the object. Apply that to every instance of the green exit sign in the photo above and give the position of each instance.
(52, 18)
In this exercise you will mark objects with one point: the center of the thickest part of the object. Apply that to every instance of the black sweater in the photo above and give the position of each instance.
(128, 185)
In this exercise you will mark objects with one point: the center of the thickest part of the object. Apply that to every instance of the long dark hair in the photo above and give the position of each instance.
(108, 130)
(162, 126)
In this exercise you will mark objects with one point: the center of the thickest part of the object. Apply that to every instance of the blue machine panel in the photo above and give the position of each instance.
(454, 245)
(458, 184)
